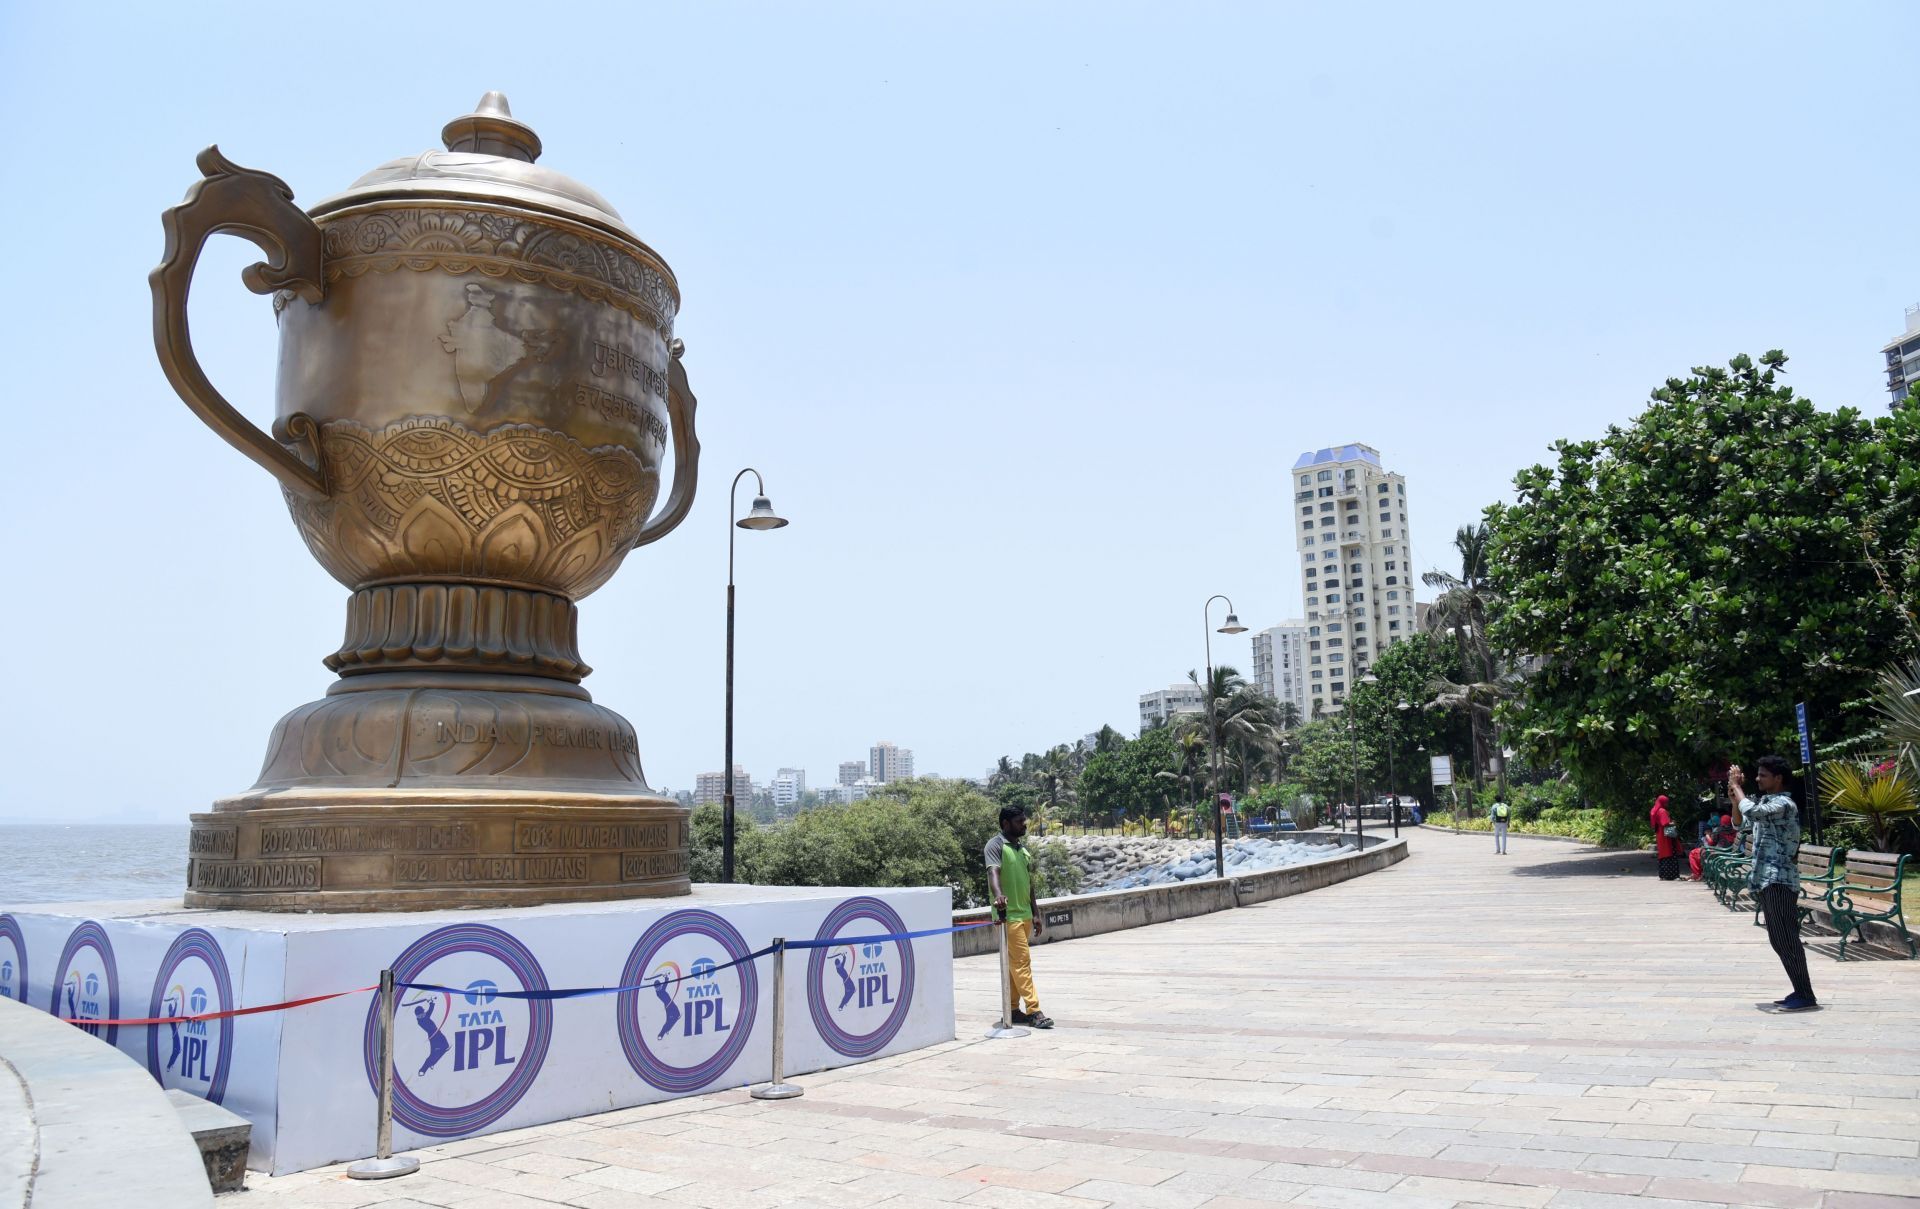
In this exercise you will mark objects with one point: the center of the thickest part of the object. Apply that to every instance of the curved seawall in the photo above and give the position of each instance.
(1117, 910)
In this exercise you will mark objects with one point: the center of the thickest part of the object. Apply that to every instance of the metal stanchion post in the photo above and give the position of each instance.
(384, 1166)
(1005, 1027)
(779, 1088)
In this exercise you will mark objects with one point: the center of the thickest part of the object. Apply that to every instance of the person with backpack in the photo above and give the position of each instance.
(1501, 813)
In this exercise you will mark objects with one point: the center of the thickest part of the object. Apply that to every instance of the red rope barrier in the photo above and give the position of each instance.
(245, 1011)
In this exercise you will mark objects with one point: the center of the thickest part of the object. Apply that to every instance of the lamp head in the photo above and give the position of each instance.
(1233, 626)
(761, 515)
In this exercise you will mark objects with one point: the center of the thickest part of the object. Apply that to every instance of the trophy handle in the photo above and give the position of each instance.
(257, 207)
(686, 453)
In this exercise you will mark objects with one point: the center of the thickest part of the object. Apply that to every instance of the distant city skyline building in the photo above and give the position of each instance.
(1280, 663)
(1356, 566)
(889, 762)
(709, 788)
(851, 771)
(788, 785)
(1903, 357)
(1158, 707)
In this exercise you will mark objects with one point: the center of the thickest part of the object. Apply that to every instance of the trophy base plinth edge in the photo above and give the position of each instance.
(422, 849)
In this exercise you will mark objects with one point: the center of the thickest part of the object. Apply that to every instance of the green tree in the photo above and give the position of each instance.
(1124, 782)
(1330, 754)
(704, 842)
(1690, 575)
(1406, 672)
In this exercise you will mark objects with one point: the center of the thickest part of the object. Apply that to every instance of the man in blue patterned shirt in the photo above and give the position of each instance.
(1775, 879)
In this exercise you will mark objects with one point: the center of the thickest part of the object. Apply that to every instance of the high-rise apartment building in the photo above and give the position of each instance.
(851, 771)
(710, 787)
(885, 762)
(1903, 358)
(1280, 664)
(1356, 570)
(1158, 707)
(788, 785)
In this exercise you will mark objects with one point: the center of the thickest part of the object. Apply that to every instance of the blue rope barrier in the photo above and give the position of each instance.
(874, 940)
(584, 992)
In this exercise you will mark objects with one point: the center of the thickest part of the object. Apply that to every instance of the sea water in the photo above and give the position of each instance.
(75, 862)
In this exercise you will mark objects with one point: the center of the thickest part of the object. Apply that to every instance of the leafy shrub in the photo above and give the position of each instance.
(913, 833)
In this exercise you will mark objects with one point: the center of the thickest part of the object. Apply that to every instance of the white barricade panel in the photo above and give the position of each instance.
(861, 997)
(97, 967)
(472, 1057)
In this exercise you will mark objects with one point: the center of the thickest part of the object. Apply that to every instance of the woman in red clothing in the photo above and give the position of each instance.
(1666, 844)
(1723, 836)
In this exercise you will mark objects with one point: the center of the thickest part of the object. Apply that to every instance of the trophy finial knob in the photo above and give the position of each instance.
(491, 129)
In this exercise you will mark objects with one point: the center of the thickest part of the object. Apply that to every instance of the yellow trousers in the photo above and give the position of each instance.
(1020, 965)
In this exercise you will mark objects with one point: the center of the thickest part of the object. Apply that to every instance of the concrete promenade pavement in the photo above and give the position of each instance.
(1551, 1028)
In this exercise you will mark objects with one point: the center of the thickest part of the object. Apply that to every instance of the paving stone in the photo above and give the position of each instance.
(1457, 1029)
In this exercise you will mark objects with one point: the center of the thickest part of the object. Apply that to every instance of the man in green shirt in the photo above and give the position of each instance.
(1010, 878)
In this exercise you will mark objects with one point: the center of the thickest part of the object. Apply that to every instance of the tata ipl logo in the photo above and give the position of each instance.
(13, 960)
(466, 1051)
(867, 986)
(859, 993)
(478, 1028)
(692, 1021)
(86, 984)
(704, 999)
(193, 981)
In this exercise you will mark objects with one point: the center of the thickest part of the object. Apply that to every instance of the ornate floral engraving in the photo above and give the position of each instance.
(499, 245)
(429, 498)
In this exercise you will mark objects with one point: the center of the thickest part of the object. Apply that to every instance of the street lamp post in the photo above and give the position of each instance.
(1393, 735)
(1433, 790)
(1359, 811)
(1231, 626)
(760, 516)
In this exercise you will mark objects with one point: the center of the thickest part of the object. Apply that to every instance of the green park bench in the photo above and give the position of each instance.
(1725, 872)
(1818, 867)
(1869, 892)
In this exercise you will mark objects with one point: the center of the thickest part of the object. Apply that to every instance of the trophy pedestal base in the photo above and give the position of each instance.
(416, 791)
(421, 849)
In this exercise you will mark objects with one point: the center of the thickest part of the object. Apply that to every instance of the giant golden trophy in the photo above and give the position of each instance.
(477, 384)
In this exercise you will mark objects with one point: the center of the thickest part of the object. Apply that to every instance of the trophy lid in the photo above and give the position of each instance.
(489, 158)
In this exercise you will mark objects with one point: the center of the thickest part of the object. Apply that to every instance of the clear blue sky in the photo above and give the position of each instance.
(1024, 310)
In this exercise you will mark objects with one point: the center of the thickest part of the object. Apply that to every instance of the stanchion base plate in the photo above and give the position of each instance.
(778, 1091)
(996, 1033)
(382, 1169)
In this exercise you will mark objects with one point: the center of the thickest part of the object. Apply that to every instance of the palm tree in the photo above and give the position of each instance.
(1191, 744)
(1243, 720)
(1286, 715)
(1896, 698)
(1461, 612)
(1877, 795)
(1004, 773)
(1055, 780)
